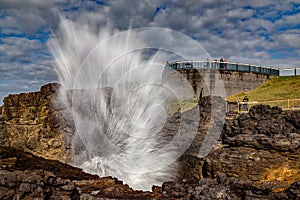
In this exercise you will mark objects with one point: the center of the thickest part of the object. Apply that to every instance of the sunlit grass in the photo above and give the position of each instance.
(283, 87)
(182, 105)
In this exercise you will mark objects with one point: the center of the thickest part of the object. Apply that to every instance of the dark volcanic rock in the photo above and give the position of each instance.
(222, 187)
(25, 176)
(262, 145)
(264, 127)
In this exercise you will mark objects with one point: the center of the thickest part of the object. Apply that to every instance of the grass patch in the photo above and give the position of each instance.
(282, 87)
(182, 105)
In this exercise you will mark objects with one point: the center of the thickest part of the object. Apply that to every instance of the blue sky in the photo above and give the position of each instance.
(256, 32)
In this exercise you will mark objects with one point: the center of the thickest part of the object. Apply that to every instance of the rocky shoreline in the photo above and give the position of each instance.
(257, 155)
(25, 176)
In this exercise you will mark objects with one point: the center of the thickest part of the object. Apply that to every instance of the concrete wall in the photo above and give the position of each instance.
(236, 81)
(217, 82)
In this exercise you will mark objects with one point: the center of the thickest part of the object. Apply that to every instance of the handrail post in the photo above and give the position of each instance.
(295, 71)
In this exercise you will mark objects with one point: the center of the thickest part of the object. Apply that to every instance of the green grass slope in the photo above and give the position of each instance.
(282, 87)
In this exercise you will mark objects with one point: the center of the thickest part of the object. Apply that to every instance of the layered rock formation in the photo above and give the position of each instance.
(35, 123)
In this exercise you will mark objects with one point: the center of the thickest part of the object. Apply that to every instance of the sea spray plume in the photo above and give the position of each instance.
(119, 100)
(118, 105)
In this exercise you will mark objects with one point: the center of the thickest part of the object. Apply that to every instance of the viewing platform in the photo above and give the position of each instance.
(236, 77)
(229, 66)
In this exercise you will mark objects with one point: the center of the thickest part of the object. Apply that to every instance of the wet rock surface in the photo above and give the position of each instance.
(25, 176)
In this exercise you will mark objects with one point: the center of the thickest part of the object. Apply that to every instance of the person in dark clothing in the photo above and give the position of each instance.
(215, 63)
(221, 63)
(245, 100)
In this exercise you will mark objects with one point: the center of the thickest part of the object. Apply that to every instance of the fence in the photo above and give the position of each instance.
(222, 66)
(285, 104)
(290, 71)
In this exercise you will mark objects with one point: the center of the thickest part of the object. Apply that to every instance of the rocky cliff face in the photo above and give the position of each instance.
(32, 122)
(257, 155)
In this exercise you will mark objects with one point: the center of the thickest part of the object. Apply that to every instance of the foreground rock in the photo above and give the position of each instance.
(25, 176)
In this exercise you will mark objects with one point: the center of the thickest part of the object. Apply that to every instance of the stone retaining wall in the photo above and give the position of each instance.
(234, 81)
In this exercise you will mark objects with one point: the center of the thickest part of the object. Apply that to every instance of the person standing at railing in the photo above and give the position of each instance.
(245, 102)
(221, 63)
(215, 64)
(207, 63)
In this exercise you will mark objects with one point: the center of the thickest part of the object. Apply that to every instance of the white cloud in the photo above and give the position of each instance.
(22, 49)
(25, 4)
(240, 13)
(288, 40)
(289, 20)
(256, 3)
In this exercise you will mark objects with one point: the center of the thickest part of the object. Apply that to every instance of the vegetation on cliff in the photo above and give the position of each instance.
(279, 88)
(282, 87)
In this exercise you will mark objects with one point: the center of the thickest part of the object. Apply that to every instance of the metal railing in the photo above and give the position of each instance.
(222, 66)
(290, 71)
(285, 104)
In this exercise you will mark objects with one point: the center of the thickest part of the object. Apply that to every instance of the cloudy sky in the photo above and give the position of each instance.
(262, 32)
